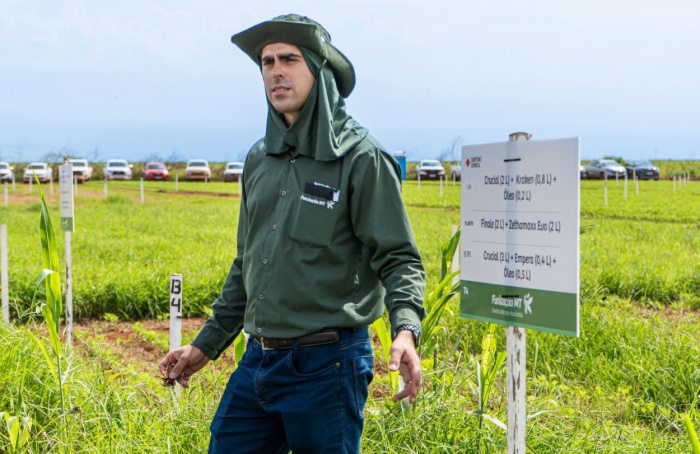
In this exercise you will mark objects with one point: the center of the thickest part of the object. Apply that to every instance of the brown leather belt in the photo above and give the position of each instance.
(329, 336)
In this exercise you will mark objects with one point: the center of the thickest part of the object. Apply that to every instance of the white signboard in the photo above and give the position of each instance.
(65, 180)
(520, 234)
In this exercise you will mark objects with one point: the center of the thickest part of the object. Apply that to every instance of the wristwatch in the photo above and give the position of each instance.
(408, 327)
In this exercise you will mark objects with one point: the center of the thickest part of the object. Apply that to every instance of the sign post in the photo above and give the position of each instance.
(175, 311)
(4, 281)
(65, 184)
(520, 248)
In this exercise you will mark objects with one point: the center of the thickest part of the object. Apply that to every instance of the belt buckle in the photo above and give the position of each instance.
(265, 347)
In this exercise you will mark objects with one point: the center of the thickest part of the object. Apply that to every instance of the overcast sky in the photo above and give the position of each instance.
(143, 79)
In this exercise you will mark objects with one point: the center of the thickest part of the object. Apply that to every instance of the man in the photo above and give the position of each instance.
(323, 241)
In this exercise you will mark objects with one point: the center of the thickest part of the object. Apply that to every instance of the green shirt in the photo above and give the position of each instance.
(321, 244)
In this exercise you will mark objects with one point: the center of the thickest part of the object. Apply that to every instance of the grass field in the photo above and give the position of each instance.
(620, 388)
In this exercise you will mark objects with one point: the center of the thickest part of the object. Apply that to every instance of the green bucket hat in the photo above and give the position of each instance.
(302, 32)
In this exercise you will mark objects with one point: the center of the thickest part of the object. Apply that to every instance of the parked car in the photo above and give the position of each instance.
(42, 170)
(643, 170)
(430, 168)
(155, 171)
(600, 168)
(82, 171)
(6, 173)
(197, 169)
(456, 171)
(117, 169)
(233, 171)
(582, 171)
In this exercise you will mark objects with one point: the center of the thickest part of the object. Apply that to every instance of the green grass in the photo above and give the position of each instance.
(623, 387)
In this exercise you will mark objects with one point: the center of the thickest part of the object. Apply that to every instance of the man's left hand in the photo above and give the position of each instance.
(405, 359)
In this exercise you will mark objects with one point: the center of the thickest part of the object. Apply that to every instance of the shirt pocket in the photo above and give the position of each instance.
(314, 221)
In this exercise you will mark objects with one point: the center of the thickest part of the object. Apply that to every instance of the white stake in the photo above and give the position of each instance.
(440, 186)
(13, 182)
(3, 269)
(625, 185)
(142, 190)
(51, 182)
(175, 311)
(418, 173)
(606, 191)
(31, 182)
(69, 290)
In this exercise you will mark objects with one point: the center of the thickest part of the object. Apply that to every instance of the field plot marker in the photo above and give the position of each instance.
(142, 198)
(65, 187)
(31, 187)
(519, 249)
(441, 186)
(51, 182)
(175, 311)
(3, 269)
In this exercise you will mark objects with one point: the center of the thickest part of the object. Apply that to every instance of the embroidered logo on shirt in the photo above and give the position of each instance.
(322, 191)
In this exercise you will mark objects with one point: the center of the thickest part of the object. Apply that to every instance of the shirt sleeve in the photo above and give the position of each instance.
(381, 223)
(223, 326)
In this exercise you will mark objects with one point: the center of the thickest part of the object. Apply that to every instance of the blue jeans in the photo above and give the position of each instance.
(304, 399)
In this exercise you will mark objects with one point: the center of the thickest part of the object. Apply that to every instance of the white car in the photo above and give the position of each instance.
(430, 168)
(233, 171)
(117, 169)
(456, 171)
(42, 170)
(197, 169)
(6, 173)
(82, 171)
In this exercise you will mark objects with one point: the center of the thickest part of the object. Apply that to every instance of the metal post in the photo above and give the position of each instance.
(69, 291)
(4, 281)
(418, 174)
(31, 182)
(515, 351)
(142, 198)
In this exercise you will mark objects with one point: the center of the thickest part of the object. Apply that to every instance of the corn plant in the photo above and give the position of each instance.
(436, 300)
(18, 430)
(691, 433)
(53, 308)
(384, 335)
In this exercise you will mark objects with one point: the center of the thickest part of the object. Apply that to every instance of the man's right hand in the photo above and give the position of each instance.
(185, 361)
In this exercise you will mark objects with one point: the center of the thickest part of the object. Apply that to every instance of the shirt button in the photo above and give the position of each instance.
(261, 296)
(259, 330)
(274, 226)
(264, 261)
(293, 161)
(284, 193)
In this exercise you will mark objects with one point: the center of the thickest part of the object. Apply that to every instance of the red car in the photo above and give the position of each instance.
(155, 171)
